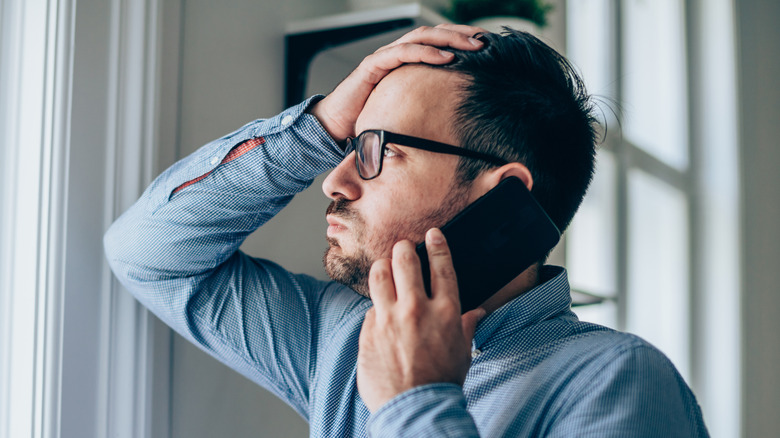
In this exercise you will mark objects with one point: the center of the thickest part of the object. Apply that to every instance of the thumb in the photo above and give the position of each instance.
(469, 320)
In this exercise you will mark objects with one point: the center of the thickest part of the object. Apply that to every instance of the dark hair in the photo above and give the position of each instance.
(524, 102)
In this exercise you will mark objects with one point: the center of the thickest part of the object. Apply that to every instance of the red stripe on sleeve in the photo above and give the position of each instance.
(234, 153)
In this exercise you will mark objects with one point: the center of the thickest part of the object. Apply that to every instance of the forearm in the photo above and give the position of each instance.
(198, 212)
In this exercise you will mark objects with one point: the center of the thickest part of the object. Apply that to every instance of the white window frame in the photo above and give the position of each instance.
(80, 127)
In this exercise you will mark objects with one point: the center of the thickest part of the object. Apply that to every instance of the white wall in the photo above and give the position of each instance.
(758, 52)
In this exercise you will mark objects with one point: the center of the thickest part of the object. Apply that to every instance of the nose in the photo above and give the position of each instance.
(343, 181)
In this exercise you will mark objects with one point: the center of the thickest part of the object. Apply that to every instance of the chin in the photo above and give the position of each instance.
(351, 271)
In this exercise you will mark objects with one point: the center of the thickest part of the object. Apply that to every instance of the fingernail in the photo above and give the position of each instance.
(445, 53)
(475, 42)
(435, 237)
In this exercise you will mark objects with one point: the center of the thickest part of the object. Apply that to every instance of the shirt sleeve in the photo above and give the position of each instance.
(638, 393)
(434, 410)
(176, 251)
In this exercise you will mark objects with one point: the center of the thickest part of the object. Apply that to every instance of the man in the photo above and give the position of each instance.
(388, 360)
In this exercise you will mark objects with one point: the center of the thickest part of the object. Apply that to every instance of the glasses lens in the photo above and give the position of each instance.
(368, 153)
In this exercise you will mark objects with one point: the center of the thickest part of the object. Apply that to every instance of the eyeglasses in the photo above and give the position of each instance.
(370, 145)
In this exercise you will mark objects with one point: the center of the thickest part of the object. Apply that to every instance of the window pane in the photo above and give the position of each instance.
(590, 240)
(588, 43)
(657, 301)
(604, 313)
(654, 96)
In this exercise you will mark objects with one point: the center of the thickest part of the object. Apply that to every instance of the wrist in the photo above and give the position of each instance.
(336, 132)
(427, 410)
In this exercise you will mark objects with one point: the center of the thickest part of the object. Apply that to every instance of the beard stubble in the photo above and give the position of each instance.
(352, 270)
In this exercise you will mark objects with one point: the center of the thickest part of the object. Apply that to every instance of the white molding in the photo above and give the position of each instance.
(59, 101)
(135, 369)
(80, 133)
(35, 93)
(9, 52)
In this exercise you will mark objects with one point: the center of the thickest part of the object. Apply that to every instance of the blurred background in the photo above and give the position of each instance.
(677, 240)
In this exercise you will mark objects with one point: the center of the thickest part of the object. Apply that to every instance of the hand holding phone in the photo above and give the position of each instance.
(493, 240)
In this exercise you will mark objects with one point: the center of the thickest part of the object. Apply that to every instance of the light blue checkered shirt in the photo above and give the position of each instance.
(536, 370)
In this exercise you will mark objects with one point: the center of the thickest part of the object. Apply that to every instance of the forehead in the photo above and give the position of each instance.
(414, 100)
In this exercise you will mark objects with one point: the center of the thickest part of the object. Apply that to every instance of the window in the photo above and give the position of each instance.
(636, 216)
(644, 235)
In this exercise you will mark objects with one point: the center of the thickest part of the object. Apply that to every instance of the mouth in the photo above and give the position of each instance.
(334, 226)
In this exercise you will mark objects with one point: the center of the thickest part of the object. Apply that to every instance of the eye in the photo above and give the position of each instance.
(389, 153)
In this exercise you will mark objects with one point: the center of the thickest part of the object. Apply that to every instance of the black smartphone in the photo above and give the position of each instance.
(493, 240)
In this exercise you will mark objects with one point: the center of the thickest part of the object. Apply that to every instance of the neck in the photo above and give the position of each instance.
(524, 282)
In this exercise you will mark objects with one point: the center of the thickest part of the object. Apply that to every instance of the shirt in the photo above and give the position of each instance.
(536, 370)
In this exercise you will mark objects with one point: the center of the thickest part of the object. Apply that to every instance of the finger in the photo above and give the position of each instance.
(440, 36)
(378, 65)
(444, 283)
(469, 321)
(366, 332)
(465, 29)
(368, 320)
(380, 284)
(407, 272)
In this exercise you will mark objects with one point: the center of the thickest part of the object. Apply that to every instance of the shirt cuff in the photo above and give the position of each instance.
(436, 410)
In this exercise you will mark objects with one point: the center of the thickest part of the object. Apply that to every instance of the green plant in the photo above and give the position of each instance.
(465, 11)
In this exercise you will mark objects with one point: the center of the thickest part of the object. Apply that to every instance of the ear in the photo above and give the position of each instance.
(489, 179)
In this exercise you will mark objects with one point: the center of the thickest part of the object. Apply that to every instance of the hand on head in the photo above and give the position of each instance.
(339, 111)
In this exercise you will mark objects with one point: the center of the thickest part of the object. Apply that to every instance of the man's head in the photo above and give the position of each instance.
(516, 99)
(524, 102)
(416, 189)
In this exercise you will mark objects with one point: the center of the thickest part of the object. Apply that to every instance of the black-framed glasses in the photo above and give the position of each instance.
(370, 145)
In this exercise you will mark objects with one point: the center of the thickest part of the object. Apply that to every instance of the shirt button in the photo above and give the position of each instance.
(475, 352)
(214, 161)
(286, 120)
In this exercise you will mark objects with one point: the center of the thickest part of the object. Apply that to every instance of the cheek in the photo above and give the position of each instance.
(392, 222)
(397, 209)
(382, 231)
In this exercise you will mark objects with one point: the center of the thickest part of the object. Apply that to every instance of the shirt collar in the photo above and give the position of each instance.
(552, 296)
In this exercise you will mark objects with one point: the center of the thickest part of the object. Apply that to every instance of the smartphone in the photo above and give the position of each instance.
(493, 240)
